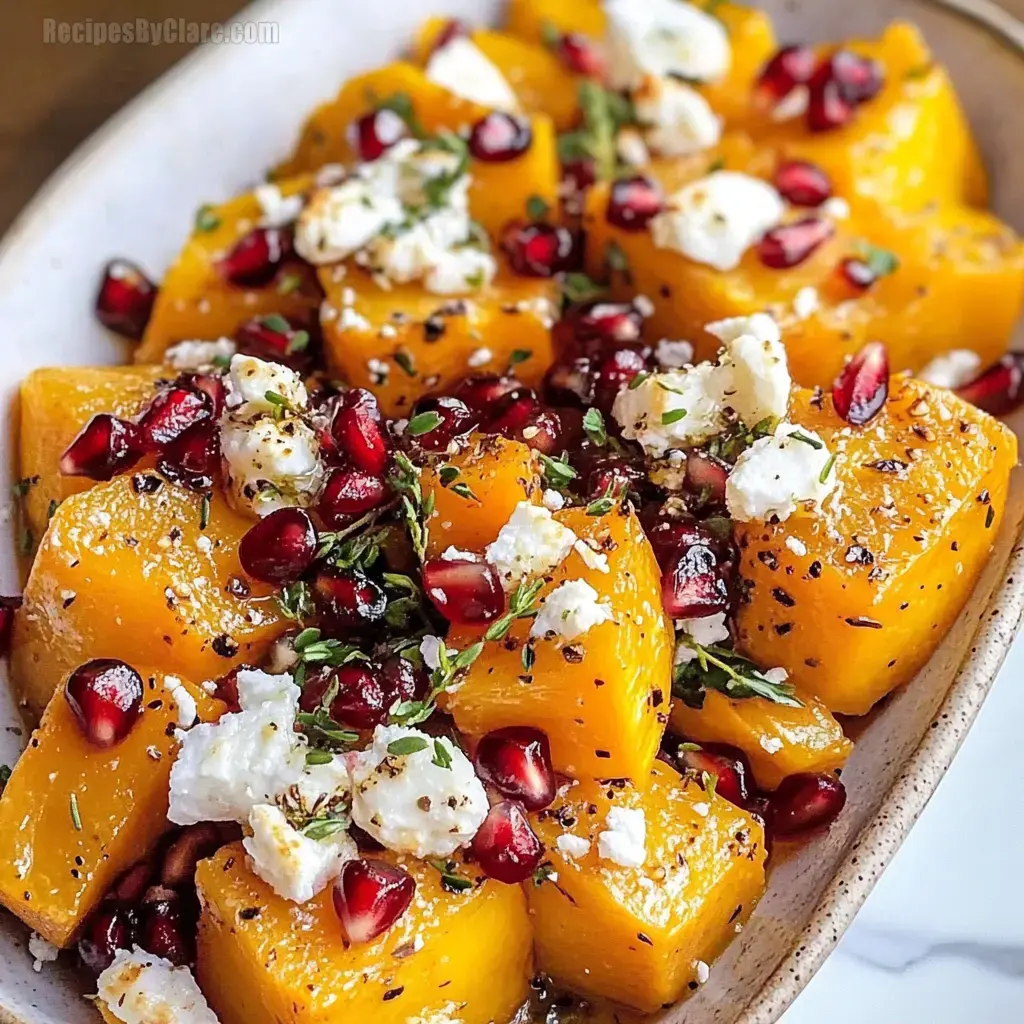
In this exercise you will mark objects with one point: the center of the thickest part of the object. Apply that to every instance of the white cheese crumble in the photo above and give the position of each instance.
(662, 38)
(753, 372)
(139, 988)
(770, 744)
(631, 148)
(200, 355)
(410, 804)
(188, 711)
(479, 357)
(453, 554)
(553, 500)
(777, 474)
(703, 971)
(679, 121)
(836, 208)
(673, 355)
(430, 649)
(573, 847)
(41, 951)
(592, 558)
(252, 379)
(278, 210)
(707, 631)
(797, 546)
(806, 302)
(624, 841)
(531, 543)
(952, 369)
(715, 219)
(461, 67)
(570, 610)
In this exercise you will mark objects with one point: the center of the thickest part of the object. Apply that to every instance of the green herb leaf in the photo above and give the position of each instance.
(672, 416)
(288, 283)
(522, 605)
(558, 474)
(324, 828)
(549, 34)
(638, 380)
(519, 355)
(881, 261)
(406, 362)
(615, 258)
(407, 745)
(424, 423)
(577, 287)
(204, 511)
(803, 438)
(405, 482)
(315, 757)
(537, 208)
(206, 218)
(401, 103)
(716, 668)
(296, 602)
(76, 817)
(450, 877)
(448, 474)
(442, 758)
(593, 424)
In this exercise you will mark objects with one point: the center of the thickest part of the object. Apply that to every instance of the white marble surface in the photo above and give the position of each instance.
(941, 939)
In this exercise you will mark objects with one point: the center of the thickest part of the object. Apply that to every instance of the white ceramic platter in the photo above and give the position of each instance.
(209, 128)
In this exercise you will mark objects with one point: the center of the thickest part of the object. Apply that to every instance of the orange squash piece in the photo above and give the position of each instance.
(892, 556)
(602, 699)
(55, 404)
(777, 740)
(195, 302)
(427, 343)
(498, 474)
(73, 816)
(262, 960)
(637, 935)
(499, 191)
(126, 574)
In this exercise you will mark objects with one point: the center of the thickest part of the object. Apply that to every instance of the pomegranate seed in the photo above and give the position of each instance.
(802, 183)
(210, 383)
(361, 702)
(279, 548)
(597, 325)
(358, 431)
(513, 411)
(373, 134)
(370, 896)
(538, 250)
(193, 460)
(579, 174)
(349, 494)
(163, 932)
(788, 245)
(453, 29)
(789, 67)
(668, 536)
(580, 55)
(254, 259)
(505, 846)
(171, 412)
(125, 299)
(436, 422)
(227, 689)
(274, 338)
(106, 698)
(692, 586)
(105, 447)
(463, 591)
(111, 929)
(402, 680)
(481, 391)
(860, 391)
(189, 847)
(132, 885)
(633, 203)
(500, 137)
(8, 607)
(349, 600)
(517, 762)
(614, 373)
(613, 474)
(998, 390)
(827, 106)
(857, 273)
(859, 78)
(728, 766)
(569, 383)
(806, 802)
(706, 476)
(543, 433)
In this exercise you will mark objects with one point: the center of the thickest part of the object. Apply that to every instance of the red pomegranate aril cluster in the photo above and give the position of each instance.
(805, 803)
(454, 419)
(789, 245)
(348, 600)
(163, 931)
(125, 299)
(279, 548)
(802, 183)
(614, 475)
(109, 930)
(539, 250)
(255, 258)
(998, 390)
(857, 273)
(348, 494)
(569, 383)
(188, 848)
(480, 392)
(500, 137)
(105, 696)
(633, 203)
(598, 325)
(580, 55)
(361, 702)
(505, 846)
(274, 338)
(105, 447)
(613, 373)
(369, 897)
(193, 460)
(464, 591)
(513, 411)
(516, 761)
(692, 586)
(358, 431)
(172, 412)
(373, 134)
(707, 476)
(861, 389)
(729, 767)
(790, 67)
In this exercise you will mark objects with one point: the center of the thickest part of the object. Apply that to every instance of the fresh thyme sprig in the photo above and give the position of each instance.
(415, 509)
(717, 668)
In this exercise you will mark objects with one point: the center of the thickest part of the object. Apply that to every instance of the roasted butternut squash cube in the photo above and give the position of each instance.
(403, 342)
(602, 699)
(640, 934)
(498, 192)
(473, 504)
(126, 570)
(74, 816)
(196, 301)
(890, 558)
(778, 740)
(55, 404)
(263, 960)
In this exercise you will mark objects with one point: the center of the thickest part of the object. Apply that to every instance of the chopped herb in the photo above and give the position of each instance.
(990, 517)
(464, 491)
(593, 424)
(407, 745)
(448, 474)
(277, 323)
(528, 657)
(710, 783)
(424, 423)
(280, 404)
(296, 602)
(558, 474)
(603, 505)
(406, 362)
(450, 877)
(577, 287)
(355, 547)
(604, 113)
(672, 416)
(549, 34)
(204, 511)
(638, 380)
(827, 468)
(436, 189)
(475, 280)
(412, 712)
(544, 873)
(298, 341)
(401, 611)
(315, 757)
(76, 817)
(442, 758)
(289, 283)
(716, 668)
(668, 387)
(206, 218)
(324, 828)
(919, 71)
(881, 261)
(798, 435)
(522, 605)
(519, 355)
(52, 508)
(405, 482)
(537, 208)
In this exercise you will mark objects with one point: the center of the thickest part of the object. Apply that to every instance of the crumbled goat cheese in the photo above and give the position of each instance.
(703, 972)
(673, 355)
(461, 67)
(139, 988)
(770, 744)
(707, 631)
(41, 951)
(592, 558)
(278, 210)
(531, 543)
(836, 208)
(797, 546)
(753, 372)
(430, 650)
(777, 474)
(715, 219)
(624, 841)
(806, 302)
(573, 847)
(570, 610)
(663, 38)
(631, 148)
(453, 554)
(952, 369)
(678, 119)
(553, 500)
(479, 357)
(199, 355)
(188, 711)
(412, 805)
(252, 379)
(293, 865)
(776, 675)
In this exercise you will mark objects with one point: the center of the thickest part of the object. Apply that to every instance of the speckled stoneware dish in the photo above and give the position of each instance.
(207, 129)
